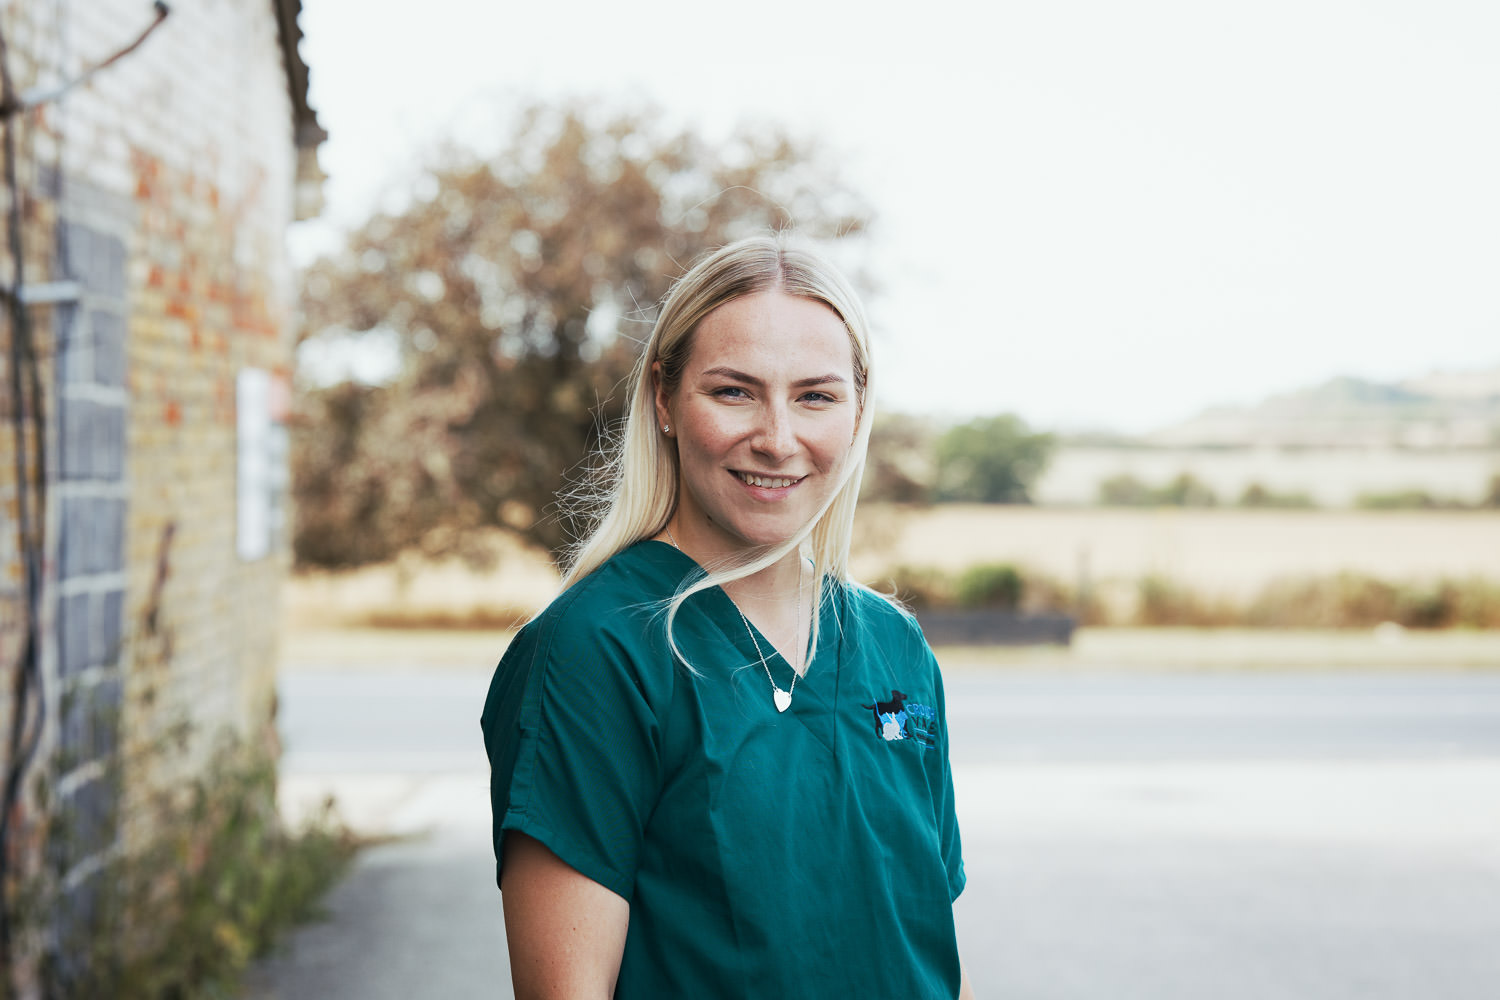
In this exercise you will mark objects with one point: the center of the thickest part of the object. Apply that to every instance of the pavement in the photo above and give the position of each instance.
(1135, 828)
(417, 916)
(398, 746)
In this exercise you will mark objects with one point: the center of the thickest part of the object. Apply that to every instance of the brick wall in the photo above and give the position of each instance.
(157, 198)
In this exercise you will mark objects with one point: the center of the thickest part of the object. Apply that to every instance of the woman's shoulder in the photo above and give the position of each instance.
(620, 598)
(609, 621)
(645, 573)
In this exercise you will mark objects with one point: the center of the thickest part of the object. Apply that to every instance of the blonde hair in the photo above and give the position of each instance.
(636, 490)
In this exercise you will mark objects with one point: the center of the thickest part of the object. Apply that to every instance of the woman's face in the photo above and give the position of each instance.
(764, 418)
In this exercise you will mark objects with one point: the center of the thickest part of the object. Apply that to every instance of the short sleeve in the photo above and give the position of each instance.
(946, 811)
(572, 729)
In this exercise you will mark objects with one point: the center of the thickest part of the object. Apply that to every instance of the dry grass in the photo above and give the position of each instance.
(1218, 553)
(414, 593)
(1205, 564)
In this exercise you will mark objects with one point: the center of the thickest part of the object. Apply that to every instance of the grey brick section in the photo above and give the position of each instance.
(94, 258)
(91, 507)
(109, 347)
(74, 622)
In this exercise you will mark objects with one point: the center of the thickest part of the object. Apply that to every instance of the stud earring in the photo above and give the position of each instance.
(666, 428)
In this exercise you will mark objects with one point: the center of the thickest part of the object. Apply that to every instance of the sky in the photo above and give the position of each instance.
(1097, 215)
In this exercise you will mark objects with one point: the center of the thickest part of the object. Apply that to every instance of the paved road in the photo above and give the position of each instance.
(1128, 836)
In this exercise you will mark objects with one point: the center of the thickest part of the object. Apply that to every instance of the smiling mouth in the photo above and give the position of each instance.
(768, 482)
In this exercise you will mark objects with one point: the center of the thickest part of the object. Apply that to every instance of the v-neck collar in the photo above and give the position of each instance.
(816, 695)
(815, 698)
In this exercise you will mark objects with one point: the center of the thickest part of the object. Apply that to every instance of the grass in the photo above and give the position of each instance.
(183, 915)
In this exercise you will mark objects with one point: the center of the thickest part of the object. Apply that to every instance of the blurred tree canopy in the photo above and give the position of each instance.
(517, 290)
(899, 466)
(990, 460)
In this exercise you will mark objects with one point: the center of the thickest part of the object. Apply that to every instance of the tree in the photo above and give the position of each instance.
(518, 291)
(898, 468)
(990, 460)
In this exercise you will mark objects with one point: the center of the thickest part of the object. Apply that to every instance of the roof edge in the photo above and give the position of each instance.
(307, 133)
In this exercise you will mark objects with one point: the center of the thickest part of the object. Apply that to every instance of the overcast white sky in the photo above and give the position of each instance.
(1091, 213)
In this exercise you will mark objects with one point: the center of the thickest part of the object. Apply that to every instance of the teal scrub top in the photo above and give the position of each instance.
(813, 853)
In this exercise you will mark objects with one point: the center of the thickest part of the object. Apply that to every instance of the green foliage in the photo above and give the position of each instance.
(1256, 495)
(517, 291)
(1491, 498)
(1188, 491)
(184, 916)
(1413, 499)
(990, 460)
(990, 585)
(1420, 499)
(1396, 500)
(1125, 490)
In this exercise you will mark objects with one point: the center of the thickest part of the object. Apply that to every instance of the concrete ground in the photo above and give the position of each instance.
(1143, 819)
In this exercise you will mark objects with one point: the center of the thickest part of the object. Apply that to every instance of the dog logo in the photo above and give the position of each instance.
(898, 718)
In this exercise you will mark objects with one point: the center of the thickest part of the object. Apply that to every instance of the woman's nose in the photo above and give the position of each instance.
(774, 437)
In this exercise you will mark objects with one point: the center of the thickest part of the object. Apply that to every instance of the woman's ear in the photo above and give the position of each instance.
(663, 408)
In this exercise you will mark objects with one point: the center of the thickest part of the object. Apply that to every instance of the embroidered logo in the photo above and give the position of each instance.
(900, 719)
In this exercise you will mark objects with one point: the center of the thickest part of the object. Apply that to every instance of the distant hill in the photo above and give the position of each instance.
(1438, 410)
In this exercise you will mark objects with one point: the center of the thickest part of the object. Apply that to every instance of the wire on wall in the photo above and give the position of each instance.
(28, 694)
(26, 398)
(12, 104)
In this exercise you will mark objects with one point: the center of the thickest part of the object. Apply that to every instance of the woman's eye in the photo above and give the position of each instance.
(730, 392)
(818, 397)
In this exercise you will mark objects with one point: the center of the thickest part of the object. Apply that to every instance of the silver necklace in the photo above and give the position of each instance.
(783, 699)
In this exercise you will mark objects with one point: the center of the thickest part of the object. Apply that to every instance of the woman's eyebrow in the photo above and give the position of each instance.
(739, 376)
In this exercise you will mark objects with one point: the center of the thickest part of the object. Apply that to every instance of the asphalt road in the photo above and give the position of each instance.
(1128, 835)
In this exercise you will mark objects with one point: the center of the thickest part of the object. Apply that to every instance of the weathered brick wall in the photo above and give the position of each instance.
(158, 197)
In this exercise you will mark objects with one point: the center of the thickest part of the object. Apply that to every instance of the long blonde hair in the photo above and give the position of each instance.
(636, 488)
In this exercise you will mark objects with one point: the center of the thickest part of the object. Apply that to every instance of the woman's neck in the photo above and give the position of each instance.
(775, 583)
(779, 599)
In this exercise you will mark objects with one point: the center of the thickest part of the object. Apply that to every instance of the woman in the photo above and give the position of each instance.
(719, 768)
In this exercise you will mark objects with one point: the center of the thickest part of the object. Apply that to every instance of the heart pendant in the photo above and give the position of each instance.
(783, 699)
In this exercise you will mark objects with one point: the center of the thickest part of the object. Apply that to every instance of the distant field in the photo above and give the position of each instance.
(1226, 551)
(1332, 477)
(1221, 551)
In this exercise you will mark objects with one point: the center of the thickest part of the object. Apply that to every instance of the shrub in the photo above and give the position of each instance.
(184, 916)
(1341, 600)
(1257, 495)
(1476, 602)
(1163, 601)
(1405, 500)
(1186, 490)
(1125, 490)
(992, 585)
(1491, 498)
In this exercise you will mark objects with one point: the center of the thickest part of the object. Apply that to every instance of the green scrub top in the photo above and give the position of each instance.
(813, 853)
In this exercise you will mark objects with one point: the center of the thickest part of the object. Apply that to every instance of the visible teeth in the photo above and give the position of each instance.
(766, 481)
